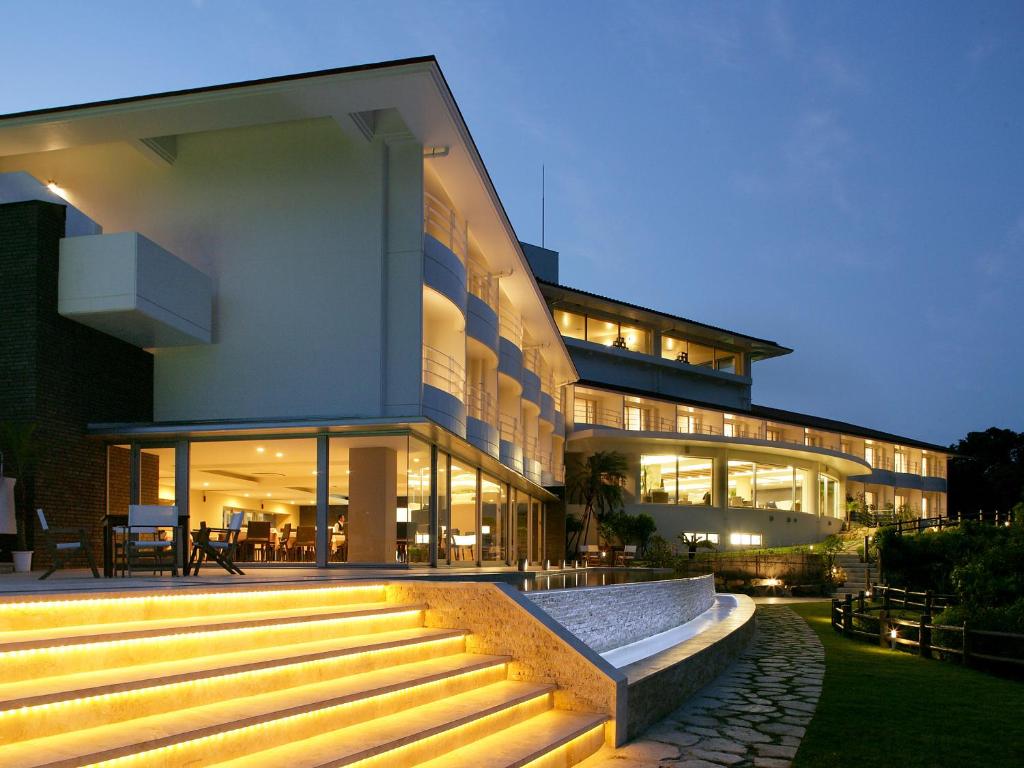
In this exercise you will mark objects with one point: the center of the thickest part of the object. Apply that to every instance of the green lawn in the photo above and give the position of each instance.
(880, 708)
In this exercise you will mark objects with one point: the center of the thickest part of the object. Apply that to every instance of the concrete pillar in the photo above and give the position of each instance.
(372, 500)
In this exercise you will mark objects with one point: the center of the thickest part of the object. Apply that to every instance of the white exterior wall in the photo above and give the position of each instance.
(313, 242)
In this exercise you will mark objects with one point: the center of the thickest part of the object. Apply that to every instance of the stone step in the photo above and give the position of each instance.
(114, 649)
(241, 725)
(74, 702)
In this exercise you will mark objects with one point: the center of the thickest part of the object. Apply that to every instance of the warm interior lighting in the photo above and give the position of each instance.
(279, 455)
(260, 449)
(56, 188)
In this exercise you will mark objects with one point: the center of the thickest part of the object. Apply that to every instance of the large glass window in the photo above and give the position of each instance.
(741, 484)
(671, 479)
(272, 483)
(494, 519)
(828, 496)
(413, 535)
(570, 324)
(443, 507)
(637, 418)
(778, 487)
(614, 334)
(585, 411)
(462, 536)
(602, 331)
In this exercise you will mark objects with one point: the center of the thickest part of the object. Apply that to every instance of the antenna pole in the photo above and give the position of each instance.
(542, 206)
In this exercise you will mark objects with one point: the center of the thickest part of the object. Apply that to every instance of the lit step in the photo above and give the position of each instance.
(32, 709)
(418, 734)
(554, 739)
(21, 615)
(195, 735)
(115, 649)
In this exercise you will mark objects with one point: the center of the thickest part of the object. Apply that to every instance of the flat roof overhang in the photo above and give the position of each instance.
(416, 88)
(602, 438)
(244, 430)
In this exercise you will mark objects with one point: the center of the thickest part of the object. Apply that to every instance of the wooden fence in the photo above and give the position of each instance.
(869, 617)
(919, 524)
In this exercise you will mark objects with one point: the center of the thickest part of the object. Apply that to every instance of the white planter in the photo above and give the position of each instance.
(22, 561)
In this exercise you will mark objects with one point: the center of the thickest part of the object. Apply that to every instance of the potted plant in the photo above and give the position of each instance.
(19, 446)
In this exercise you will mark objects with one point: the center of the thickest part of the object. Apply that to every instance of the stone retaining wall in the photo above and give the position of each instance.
(615, 615)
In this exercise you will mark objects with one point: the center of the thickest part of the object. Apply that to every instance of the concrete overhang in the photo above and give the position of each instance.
(415, 88)
(606, 438)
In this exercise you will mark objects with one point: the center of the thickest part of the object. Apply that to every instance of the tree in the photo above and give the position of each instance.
(987, 472)
(694, 542)
(21, 451)
(596, 484)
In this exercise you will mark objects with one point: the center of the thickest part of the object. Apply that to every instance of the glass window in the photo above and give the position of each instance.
(413, 536)
(674, 349)
(741, 484)
(571, 324)
(273, 483)
(462, 536)
(658, 479)
(637, 418)
(695, 481)
(725, 361)
(900, 461)
(869, 455)
(443, 506)
(636, 339)
(494, 517)
(585, 411)
(828, 496)
(670, 479)
(701, 355)
(711, 538)
(602, 331)
(745, 539)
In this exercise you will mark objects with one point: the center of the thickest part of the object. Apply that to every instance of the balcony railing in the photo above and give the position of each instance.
(441, 222)
(650, 422)
(444, 372)
(508, 429)
(483, 286)
(530, 447)
(480, 404)
(511, 327)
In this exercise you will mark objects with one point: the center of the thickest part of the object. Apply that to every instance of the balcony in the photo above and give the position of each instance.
(444, 390)
(510, 450)
(443, 223)
(480, 423)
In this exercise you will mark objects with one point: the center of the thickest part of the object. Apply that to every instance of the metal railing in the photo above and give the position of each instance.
(480, 404)
(508, 428)
(441, 222)
(530, 446)
(483, 285)
(444, 372)
(511, 327)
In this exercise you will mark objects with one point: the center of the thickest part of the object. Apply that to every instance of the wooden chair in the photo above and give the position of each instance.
(591, 554)
(257, 538)
(217, 544)
(626, 556)
(151, 540)
(282, 541)
(305, 542)
(62, 551)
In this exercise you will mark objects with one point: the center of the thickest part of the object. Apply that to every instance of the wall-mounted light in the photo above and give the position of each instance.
(56, 188)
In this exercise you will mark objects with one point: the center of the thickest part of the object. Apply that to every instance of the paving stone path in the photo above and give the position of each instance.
(754, 714)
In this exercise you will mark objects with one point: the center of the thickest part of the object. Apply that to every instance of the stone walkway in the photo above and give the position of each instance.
(754, 714)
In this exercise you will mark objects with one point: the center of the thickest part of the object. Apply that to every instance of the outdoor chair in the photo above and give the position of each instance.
(151, 538)
(305, 543)
(62, 551)
(626, 556)
(591, 554)
(282, 542)
(217, 544)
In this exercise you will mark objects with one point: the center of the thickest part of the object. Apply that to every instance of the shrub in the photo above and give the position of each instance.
(659, 553)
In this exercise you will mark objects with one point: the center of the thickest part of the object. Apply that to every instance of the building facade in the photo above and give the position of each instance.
(301, 298)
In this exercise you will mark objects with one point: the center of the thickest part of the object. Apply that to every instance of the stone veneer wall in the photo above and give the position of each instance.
(619, 614)
(503, 622)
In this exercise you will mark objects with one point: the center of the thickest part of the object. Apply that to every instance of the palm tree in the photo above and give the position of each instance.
(693, 542)
(596, 484)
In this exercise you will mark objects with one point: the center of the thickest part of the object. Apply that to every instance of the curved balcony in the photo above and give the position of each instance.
(480, 421)
(444, 390)
(510, 361)
(482, 322)
(443, 271)
(559, 423)
(510, 448)
(530, 378)
(547, 407)
(442, 223)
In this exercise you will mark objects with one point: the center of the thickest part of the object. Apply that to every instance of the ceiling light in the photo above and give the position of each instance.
(268, 494)
(247, 495)
(260, 449)
(279, 455)
(206, 485)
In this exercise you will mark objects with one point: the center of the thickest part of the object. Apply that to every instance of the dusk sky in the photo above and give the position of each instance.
(844, 178)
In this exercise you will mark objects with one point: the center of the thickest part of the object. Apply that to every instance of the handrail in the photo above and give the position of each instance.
(511, 328)
(482, 285)
(480, 404)
(444, 372)
(443, 223)
(508, 428)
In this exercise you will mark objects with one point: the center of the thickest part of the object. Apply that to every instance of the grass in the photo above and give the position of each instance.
(884, 708)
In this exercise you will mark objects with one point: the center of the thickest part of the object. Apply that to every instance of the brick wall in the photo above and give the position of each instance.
(613, 616)
(60, 374)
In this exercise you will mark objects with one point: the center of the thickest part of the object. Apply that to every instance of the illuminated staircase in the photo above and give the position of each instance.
(304, 678)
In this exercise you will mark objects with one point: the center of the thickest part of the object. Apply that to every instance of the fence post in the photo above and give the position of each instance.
(860, 601)
(832, 616)
(924, 636)
(967, 646)
(847, 614)
(883, 628)
(929, 600)
(885, 599)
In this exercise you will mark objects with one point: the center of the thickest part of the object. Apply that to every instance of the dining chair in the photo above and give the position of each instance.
(151, 540)
(62, 551)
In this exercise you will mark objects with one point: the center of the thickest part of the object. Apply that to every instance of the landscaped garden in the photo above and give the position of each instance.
(880, 708)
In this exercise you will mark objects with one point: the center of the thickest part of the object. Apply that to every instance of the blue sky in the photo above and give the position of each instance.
(844, 178)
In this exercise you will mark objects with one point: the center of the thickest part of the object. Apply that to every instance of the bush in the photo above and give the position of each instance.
(659, 553)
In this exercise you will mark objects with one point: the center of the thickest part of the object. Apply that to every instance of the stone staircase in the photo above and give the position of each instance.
(858, 574)
(300, 677)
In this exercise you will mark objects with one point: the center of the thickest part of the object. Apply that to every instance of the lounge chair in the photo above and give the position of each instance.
(217, 544)
(626, 556)
(62, 551)
(591, 554)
